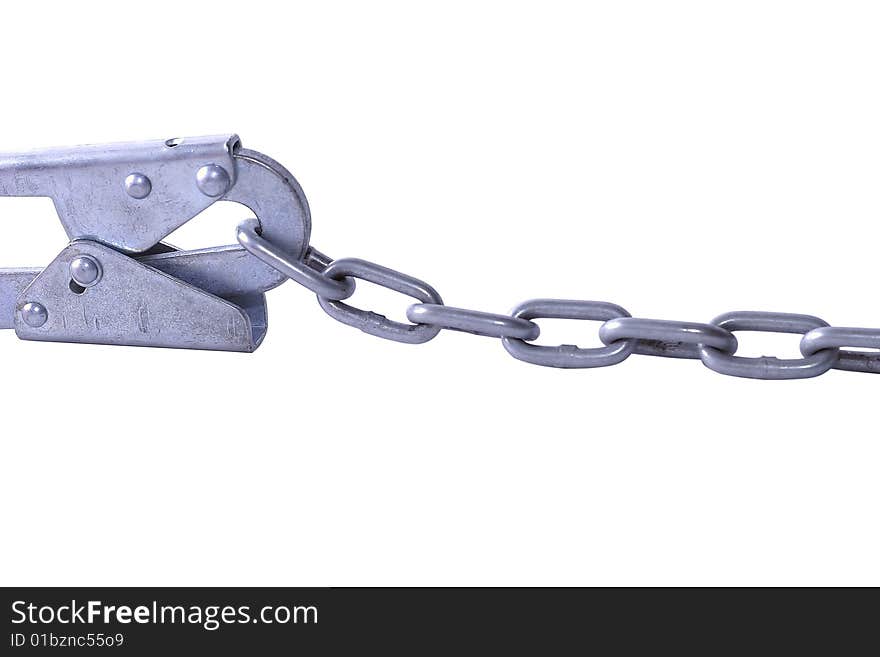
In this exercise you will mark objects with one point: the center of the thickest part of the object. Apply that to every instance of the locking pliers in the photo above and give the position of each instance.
(117, 282)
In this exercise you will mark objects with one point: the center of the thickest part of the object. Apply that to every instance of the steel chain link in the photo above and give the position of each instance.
(823, 347)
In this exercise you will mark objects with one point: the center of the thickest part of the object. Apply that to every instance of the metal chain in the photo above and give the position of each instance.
(822, 346)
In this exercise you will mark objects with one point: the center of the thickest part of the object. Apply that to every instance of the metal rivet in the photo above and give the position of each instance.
(138, 186)
(85, 271)
(34, 314)
(212, 180)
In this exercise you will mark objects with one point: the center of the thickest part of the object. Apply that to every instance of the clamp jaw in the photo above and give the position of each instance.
(116, 282)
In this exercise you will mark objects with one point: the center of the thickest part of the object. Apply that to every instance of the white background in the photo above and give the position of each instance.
(682, 159)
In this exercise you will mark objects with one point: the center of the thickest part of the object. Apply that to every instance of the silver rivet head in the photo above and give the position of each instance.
(34, 314)
(85, 271)
(212, 180)
(138, 186)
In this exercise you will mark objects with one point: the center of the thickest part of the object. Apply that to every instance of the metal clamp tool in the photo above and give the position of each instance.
(118, 283)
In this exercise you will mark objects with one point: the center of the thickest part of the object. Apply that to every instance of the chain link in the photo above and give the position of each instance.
(823, 347)
(373, 323)
(307, 273)
(667, 338)
(768, 367)
(830, 337)
(569, 356)
(473, 321)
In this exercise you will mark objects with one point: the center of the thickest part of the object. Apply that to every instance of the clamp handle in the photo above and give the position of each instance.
(128, 195)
